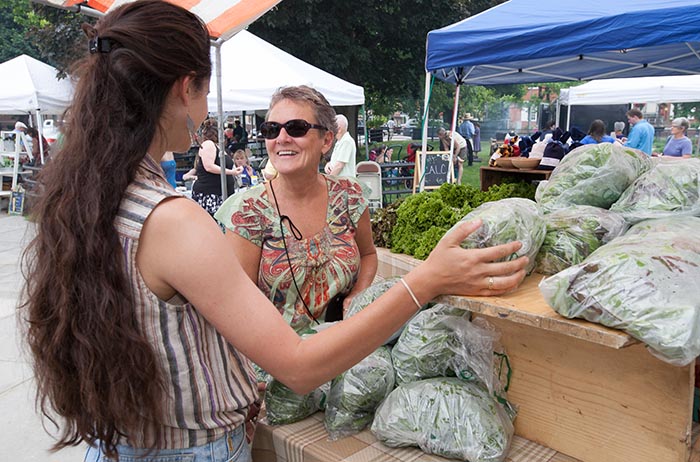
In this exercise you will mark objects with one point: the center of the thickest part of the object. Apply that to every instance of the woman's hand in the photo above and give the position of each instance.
(451, 269)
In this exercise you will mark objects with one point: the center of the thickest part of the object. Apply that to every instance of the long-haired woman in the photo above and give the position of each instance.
(138, 314)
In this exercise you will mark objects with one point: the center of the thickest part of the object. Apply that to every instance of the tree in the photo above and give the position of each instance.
(48, 34)
(379, 45)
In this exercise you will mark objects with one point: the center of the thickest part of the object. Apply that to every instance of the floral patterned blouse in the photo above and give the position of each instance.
(324, 265)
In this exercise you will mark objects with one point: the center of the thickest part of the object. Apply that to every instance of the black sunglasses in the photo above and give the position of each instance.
(296, 128)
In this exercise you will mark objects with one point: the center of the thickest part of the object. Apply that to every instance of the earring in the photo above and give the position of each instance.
(190, 129)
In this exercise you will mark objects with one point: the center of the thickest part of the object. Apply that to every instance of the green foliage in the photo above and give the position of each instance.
(379, 45)
(48, 34)
(422, 219)
(383, 221)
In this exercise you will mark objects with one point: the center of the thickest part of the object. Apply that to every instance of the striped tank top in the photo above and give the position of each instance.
(209, 384)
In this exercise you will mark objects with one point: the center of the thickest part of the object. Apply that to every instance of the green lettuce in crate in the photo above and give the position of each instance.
(445, 416)
(593, 174)
(356, 394)
(506, 221)
(574, 233)
(645, 283)
(671, 188)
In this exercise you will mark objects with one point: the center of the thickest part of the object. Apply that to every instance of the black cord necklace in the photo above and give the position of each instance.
(297, 235)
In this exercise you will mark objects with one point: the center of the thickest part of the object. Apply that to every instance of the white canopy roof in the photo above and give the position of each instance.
(28, 85)
(252, 69)
(668, 89)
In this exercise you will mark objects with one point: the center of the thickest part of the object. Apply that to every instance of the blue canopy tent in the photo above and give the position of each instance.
(523, 41)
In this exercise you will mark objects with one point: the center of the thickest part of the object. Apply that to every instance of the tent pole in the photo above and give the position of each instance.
(558, 112)
(364, 119)
(424, 141)
(220, 111)
(568, 116)
(453, 127)
(40, 129)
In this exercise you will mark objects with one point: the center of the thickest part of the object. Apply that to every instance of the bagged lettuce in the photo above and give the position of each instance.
(356, 394)
(508, 220)
(593, 174)
(574, 233)
(645, 283)
(442, 342)
(671, 188)
(445, 416)
(369, 295)
(283, 406)
(678, 224)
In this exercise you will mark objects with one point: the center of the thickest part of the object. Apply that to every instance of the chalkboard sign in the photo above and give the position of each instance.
(437, 169)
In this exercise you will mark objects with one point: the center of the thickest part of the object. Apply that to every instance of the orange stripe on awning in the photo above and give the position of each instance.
(239, 16)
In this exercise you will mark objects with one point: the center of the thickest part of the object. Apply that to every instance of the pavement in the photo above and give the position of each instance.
(22, 434)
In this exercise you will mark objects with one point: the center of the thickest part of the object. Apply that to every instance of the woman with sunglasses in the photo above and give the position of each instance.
(304, 237)
(138, 315)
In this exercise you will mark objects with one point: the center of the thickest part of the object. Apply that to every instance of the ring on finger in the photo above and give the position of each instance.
(490, 282)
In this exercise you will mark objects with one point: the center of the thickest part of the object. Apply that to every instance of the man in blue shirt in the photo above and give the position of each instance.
(642, 133)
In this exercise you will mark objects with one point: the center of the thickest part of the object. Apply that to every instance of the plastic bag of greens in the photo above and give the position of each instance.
(283, 406)
(445, 416)
(671, 188)
(356, 394)
(440, 342)
(370, 294)
(643, 283)
(574, 233)
(593, 174)
(508, 220)
(679, 224)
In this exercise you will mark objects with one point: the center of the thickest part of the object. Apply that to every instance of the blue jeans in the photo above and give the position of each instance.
(230, 448)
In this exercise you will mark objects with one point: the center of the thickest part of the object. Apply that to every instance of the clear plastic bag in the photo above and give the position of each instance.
(283, 406)
(442, 342)
(356, 394)
(671, 188)
(645, 283)
(369, 295)
(449, 417)
(593, 174)
(508, 220)
(574, 233)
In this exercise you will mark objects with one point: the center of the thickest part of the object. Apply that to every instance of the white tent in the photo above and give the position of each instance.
(668, 89)
(30, 86)
(252, 69)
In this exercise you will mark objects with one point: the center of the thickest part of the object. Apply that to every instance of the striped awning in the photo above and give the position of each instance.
(224, 18)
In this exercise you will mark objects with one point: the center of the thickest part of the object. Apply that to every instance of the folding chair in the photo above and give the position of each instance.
(369, 174)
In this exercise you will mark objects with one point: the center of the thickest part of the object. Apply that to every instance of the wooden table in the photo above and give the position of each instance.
(583, 389)
(490, 176)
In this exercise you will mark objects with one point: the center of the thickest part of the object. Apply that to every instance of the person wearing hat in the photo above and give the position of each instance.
(466, 129)
(678, 144)
(20, 127)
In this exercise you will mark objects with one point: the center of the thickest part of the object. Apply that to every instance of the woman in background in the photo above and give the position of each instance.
(240, 159)
(596, 134)
(169, 166)
(206, 191)
(678, 144)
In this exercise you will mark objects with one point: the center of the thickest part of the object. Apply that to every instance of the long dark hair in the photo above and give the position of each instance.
(94, 367)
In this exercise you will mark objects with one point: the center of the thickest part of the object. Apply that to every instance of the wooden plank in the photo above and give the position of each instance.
(523, 306)
(597, 403)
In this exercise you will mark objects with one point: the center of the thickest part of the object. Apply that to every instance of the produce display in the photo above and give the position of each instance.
(574, 233)
(445, 416)
(441, 342)
(593, 174)
(671, 188)
(645, 283)
(422, 219)
(505, 221)
(356, 394)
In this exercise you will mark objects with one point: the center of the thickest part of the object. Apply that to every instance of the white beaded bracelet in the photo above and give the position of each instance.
(410, 292)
